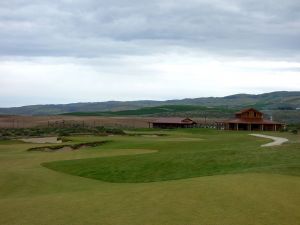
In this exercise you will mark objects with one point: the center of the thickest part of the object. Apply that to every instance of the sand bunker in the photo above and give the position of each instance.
(276, 140)
(43, 140)
(65, 148)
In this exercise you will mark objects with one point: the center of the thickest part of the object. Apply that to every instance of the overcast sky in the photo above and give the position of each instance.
(66, 51)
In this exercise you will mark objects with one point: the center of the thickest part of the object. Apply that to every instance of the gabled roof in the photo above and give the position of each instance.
(174, 120)
(246, 110)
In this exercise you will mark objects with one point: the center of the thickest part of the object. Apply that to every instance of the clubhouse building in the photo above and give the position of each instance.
(249, 119)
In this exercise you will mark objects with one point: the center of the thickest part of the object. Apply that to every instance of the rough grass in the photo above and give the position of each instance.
(33, 195)
(9, 133)
(71, 146)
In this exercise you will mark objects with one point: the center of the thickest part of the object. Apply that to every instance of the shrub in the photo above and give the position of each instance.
(115, 131)
(63, 133)
(294, 131)
(66, 131)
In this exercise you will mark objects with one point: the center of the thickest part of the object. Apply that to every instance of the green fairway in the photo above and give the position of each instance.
(184, 156)
(192, 176)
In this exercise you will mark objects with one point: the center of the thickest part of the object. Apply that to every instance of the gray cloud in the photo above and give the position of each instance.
(99, 28)
(130, 50)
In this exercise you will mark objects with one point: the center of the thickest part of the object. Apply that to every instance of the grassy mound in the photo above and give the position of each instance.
(178, 158)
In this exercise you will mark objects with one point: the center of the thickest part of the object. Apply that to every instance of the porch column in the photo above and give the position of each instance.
(237, 126)
(262, 127)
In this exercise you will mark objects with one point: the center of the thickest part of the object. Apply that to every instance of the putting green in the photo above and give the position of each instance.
(205, 155)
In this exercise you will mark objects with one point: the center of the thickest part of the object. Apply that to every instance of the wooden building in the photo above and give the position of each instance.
(173, 122)
(249, 119)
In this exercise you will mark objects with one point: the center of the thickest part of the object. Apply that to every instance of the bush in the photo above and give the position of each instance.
(115, 131)
(294, 131)
(285, 129)
(104, 130)
(67, 131)
(63, 133)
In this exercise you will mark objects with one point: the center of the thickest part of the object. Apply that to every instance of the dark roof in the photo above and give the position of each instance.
(174, 120)
(253, 121)
(246, 110)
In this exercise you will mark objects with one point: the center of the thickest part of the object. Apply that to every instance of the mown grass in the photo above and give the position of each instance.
(33, 195)
(185, 157)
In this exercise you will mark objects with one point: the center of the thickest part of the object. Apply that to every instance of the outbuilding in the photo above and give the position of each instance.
(173, 122)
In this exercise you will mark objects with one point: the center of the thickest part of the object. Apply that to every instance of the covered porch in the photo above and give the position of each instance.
(249, 126)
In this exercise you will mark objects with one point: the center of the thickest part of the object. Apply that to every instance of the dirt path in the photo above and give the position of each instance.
(276, 140)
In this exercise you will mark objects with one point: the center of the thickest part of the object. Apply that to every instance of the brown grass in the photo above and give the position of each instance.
(42, 121)
(91, 121)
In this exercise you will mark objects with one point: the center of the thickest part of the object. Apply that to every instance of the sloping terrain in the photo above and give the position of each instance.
(31, 194)
(276, 100)
(198, 153)
(193, 111)
(165, 110)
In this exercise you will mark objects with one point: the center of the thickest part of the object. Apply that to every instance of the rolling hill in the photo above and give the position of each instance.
(165, 110)
(282, 100)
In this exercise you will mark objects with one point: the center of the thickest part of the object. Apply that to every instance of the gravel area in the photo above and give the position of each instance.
(276, 140)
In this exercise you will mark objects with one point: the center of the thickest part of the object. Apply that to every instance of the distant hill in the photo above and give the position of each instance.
(281, 115)
(165, 110)
(277, 102)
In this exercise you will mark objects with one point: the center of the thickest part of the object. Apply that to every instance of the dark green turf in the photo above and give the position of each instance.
(183, 154)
